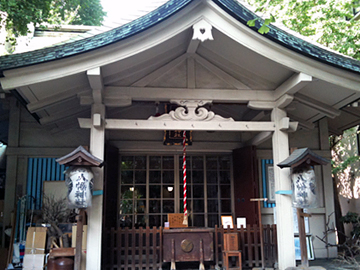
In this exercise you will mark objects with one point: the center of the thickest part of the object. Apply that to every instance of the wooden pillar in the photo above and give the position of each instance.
(11, 165)
(328, 187)
(284, 210)
(97, 148)
(302, 236)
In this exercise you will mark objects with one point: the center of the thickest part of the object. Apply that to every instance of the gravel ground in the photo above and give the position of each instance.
(331, 264)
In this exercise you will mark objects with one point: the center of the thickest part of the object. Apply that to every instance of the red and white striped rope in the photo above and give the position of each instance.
(184, 175)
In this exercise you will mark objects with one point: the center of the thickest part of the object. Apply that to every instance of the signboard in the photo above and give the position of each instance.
(175, 137)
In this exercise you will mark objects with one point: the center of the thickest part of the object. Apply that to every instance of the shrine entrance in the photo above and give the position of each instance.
(150, 187)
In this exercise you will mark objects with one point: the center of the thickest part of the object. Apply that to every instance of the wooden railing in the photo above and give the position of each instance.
(138, 249)
(249, 244)
(125, 249)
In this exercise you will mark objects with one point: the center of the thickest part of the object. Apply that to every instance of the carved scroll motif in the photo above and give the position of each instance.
(193, 112)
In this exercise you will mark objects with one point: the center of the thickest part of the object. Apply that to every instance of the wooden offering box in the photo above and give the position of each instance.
(188, 245)
(231, 242)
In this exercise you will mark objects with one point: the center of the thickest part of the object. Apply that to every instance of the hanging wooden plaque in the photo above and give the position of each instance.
(175, 137)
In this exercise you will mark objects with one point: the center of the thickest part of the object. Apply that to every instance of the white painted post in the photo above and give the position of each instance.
(94, 233)
(328, 187)
(284, 211)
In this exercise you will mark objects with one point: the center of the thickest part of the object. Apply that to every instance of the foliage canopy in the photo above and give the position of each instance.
(17, 14)
(329, 22)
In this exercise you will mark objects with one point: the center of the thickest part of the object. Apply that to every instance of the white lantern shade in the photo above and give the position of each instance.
(79, 181)
(304, 188)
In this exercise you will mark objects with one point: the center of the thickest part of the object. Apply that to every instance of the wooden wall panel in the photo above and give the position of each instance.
(246, 184)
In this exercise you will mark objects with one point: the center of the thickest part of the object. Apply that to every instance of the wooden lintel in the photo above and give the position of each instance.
(181, 125)
(165, 94)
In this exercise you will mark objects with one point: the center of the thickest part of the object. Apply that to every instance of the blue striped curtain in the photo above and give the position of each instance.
(40, 170)
(264, 162)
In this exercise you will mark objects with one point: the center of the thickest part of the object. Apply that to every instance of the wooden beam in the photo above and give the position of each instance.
(193, 45)
(286, 125)
(38, 152)
(303, 123)
(53, 100)
(158, 146)
(261, 105)
(180, 125)
(165, 94)
(293, 84)
(259, 116)
(191, 74)
(117, 102)
(260, 138)
(65, 114)
(317, 105)
(283, 101)
(96, 84)
(347, 100)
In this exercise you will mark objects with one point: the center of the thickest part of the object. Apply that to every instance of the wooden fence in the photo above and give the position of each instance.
(249, 244)
(125, 249)
(138, 249)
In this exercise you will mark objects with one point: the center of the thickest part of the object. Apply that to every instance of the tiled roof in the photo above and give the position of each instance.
(292, 42)
(87, 44)
(232, 7)
(301, 156)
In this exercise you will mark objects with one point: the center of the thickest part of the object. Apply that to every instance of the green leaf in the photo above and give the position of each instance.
(264, 29)
(272, 18)
(267, 21)
(251, 23)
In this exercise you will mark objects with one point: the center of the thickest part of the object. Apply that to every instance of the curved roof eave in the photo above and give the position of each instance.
(232, 7)
(283, 38)
(139, 25)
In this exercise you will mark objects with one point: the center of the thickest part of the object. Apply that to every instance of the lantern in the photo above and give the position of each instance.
(302, 162)
(304, 187)
(79, 176)
(79, 181)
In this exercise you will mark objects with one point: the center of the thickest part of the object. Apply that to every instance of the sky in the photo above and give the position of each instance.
(114, 7)
(118, 8)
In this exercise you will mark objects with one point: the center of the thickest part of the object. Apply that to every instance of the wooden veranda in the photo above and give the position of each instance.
(142, 248)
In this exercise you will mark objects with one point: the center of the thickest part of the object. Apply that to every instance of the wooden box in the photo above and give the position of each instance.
(176, 220)
(35, 240)
(231, 242)
(183, 245)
